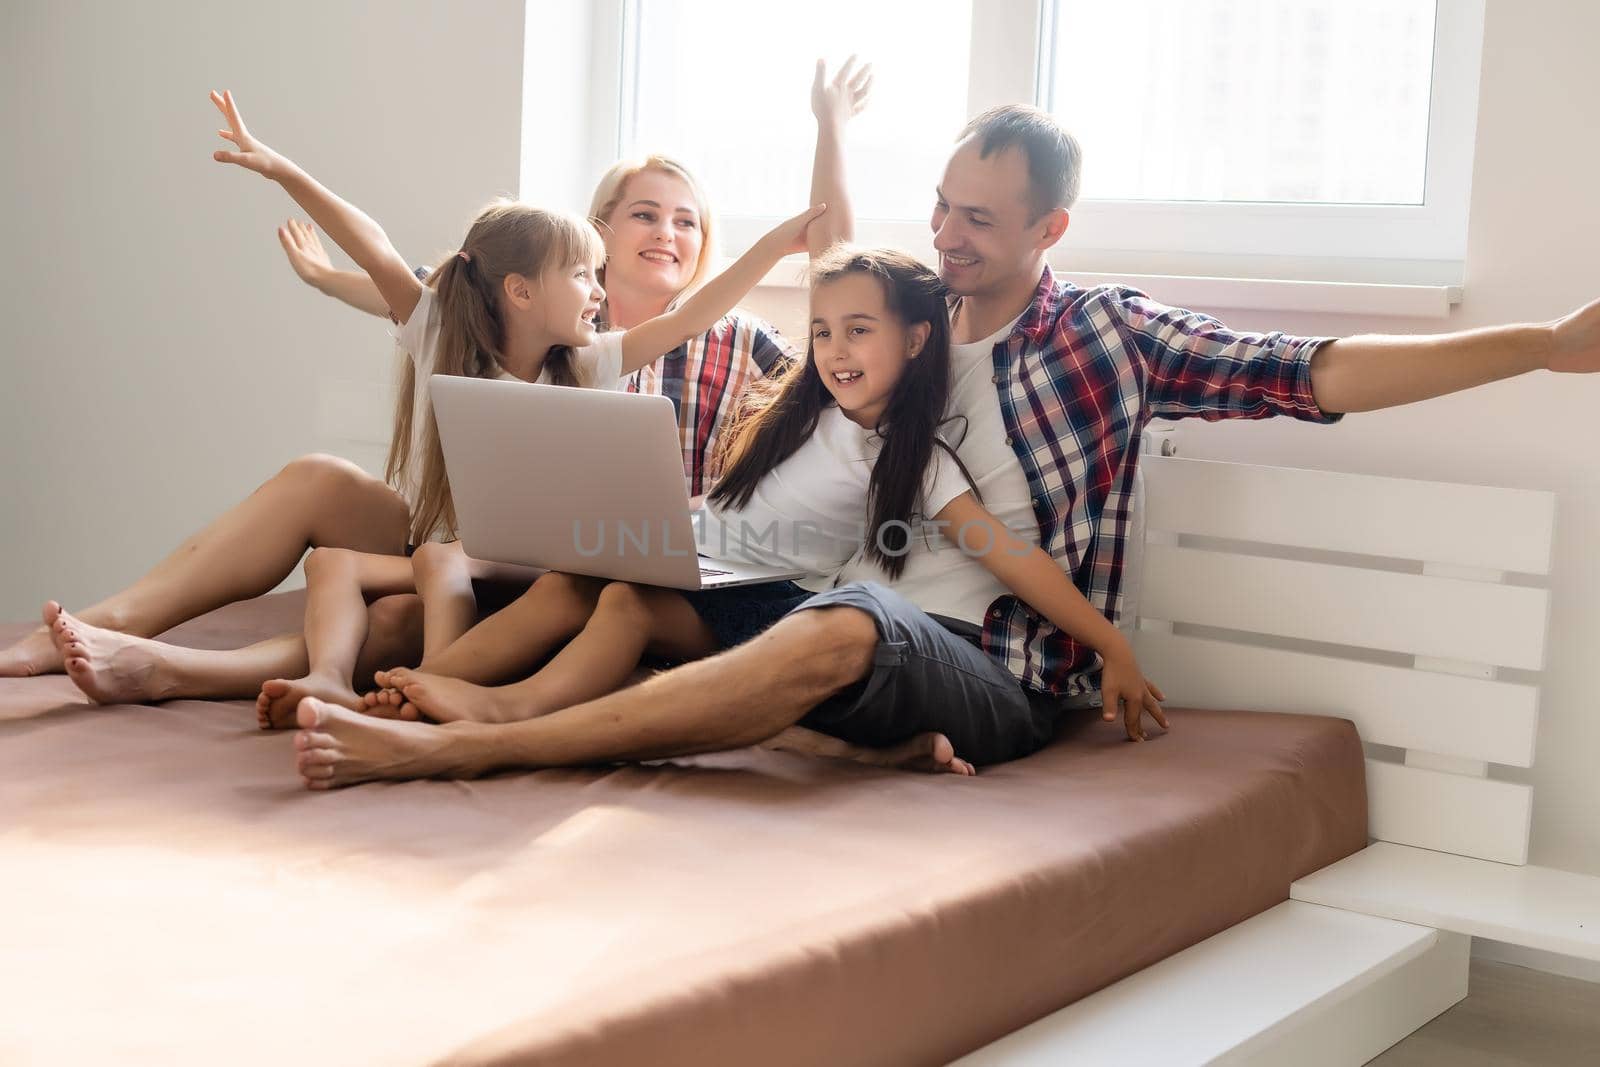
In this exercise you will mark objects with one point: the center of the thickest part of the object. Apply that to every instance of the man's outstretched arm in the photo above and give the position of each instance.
(1368, 373)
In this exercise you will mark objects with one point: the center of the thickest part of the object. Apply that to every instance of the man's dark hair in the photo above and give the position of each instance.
(1055, 159)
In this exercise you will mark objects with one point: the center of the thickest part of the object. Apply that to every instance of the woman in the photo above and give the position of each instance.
(657, 228)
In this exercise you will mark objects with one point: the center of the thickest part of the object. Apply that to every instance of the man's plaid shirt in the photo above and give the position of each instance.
(1080, 375)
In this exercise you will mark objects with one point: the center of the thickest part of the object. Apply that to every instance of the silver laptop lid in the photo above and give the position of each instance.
(588, 481)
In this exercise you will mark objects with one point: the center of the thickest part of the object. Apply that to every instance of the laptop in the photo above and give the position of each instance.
(586, 481)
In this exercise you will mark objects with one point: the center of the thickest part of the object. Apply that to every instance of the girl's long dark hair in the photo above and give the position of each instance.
(778, 414)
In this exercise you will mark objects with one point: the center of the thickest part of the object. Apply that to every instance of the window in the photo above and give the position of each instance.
(1317, 101)
(1325, 139)
(1317, 128)
(724, 85)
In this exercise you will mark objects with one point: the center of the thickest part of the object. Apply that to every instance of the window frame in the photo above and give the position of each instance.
(1406, 244)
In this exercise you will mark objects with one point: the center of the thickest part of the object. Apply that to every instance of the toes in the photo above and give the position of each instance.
(317, 762)
(410, 712)
(51, 612)
(308, 741)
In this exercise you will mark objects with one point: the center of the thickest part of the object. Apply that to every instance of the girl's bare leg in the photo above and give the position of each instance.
(315, 501)
(117, 668)
(627, 622)
(443, 575)
(338, 583)
(511, 641)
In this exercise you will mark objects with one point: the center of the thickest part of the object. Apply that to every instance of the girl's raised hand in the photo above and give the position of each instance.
(252, 154)
(841, 99)
(789, 236)
(304, 249)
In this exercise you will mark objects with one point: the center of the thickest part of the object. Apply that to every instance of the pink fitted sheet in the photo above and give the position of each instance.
(171, 896)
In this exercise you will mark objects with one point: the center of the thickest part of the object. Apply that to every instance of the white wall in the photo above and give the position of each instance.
(160, 358)
(1534, 254)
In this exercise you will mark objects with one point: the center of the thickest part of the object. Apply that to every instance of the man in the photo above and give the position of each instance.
(1053, 443)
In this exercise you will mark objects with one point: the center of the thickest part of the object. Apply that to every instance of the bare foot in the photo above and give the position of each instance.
(443, 699)
(110, 668)
(929, 753)
(386, 704)
(276, 704)
(336, 747)
(35, 653)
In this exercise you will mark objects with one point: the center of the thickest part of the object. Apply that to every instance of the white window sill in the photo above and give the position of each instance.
(1234, 294)
(1263, 294)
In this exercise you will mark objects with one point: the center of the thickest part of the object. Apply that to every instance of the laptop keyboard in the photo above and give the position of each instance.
(712, 572)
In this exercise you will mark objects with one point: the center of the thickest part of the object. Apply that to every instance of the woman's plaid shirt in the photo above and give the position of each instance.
(704, 377)
(1080, 375)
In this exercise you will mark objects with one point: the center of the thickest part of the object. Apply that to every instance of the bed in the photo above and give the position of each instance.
(174, 897)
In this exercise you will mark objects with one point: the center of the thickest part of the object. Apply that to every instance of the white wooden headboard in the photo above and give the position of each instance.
(1396, 604)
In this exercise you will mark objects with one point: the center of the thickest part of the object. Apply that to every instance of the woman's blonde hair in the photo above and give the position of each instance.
(608, 194)
(506, 238)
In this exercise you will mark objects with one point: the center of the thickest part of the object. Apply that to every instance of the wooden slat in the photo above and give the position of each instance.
(1475, 526)
(1448, 812)
(1536, 907)
(1467, 717)
(1416, 614)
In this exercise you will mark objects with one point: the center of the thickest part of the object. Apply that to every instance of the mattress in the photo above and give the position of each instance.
(172, 896)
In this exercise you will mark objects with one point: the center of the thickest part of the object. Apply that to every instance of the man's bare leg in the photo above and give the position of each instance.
(736, 698)
(316, 500)
(338, 581)
(117, 668)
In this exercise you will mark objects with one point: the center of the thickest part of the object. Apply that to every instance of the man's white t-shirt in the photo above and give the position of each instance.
(599, 365)
(939, 577)
(810, 512)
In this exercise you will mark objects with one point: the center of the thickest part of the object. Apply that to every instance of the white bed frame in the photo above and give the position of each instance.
(1416, 610)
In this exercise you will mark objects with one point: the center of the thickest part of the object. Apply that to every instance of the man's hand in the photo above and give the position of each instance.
(838, 101)
(1124, 688)
(1576, 348)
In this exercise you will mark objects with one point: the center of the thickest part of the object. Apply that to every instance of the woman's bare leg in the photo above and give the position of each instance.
(627, 622)
(116, 668)
(315, 501)
(338, 583)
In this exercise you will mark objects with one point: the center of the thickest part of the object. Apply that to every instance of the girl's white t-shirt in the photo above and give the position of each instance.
(599, 364)
(810, 512)
(939, 577)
